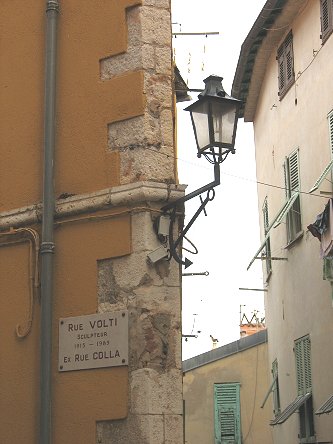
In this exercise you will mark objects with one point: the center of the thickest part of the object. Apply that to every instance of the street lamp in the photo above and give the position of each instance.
(214, 118)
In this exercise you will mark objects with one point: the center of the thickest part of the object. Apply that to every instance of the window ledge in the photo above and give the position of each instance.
(298, 236)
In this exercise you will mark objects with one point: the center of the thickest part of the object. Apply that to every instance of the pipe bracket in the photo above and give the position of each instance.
(52, 5)
(47, 247)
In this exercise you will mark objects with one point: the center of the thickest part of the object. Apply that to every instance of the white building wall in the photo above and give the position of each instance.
(298, 301)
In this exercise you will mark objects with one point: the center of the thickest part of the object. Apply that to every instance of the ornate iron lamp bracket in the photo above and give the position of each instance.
(172, 208)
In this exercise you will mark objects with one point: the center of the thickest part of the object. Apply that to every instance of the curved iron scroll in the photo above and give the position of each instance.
(209, 189)
(174, 244)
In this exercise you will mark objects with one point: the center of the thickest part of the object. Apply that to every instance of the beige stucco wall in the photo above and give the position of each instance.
(298, 301)
(249, 368)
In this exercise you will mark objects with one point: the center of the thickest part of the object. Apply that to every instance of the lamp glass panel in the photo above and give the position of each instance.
(224, 115)
(200, 121)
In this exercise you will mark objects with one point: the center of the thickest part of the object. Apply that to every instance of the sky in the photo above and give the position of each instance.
(228, 237)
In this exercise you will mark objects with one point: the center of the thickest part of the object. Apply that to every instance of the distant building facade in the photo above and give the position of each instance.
(284, 78)
(222, 393)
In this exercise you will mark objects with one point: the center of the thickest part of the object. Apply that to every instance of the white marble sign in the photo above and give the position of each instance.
(93, 341)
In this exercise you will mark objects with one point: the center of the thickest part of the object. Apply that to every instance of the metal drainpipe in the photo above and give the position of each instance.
(47, 245)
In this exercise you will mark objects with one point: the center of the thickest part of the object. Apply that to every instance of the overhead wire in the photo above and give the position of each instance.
(258, 182)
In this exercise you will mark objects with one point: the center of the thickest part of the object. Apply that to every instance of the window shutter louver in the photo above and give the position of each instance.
(285, 60)
(281, 63)
(293, 171)
(329, 167)
(276, 394)
(307, 365)
(289, 66)
(267, 251)
(286, 179)
(299, 368)
(227, 420)
(289, 59)
(281, 74)
(288, 41)
(330, 127)
(326, 13)
(327, 407)
(265, 215)
(322, 176)
(324, 16)
(303, 365)
(292, 209)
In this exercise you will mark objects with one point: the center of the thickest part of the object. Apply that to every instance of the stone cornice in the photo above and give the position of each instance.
(150, 194)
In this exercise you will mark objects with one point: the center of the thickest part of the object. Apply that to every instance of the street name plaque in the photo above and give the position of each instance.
(93, 341)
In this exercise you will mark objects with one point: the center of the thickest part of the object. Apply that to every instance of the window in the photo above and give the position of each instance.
(227, 413)
(303, 402)
(285, 58)
(291, 208)
(302, 351)
(267, 250)
(326, 18)
(284, 211)
(292, 185)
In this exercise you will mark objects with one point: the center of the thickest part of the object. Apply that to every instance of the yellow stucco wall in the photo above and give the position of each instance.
(80, 398)
(249, 368)
(85, 104)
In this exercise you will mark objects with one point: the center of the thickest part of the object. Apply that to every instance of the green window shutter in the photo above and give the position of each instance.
(326, 10)
(286, 209)
(307, 365)
(324, 16)
(293, 171)
(267, 250)
(286, 180)
(282, 69)
(299, 367)
(285, 59)
(330, 129)
(303, 365)
(330, 165)
(289, 58)
(322, 176)
(265, 215)
(227, 413)
(292, 184)
(276, 394)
